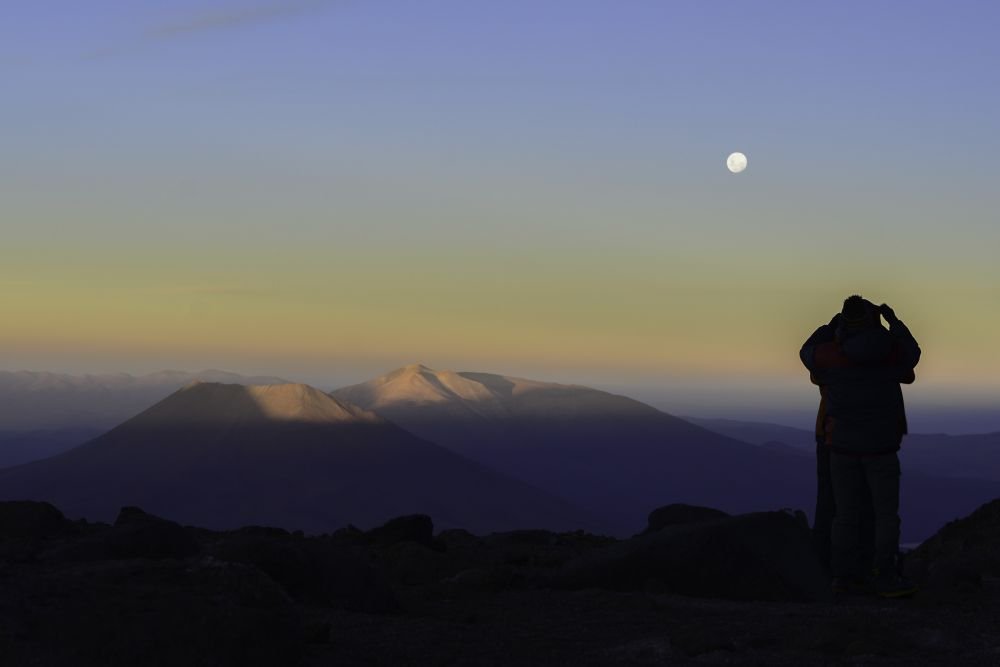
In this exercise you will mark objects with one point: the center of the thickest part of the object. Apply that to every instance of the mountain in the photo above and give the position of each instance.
(954, 455)
(619, 458)
(43, 414)
(17, 447)
(44, 401)
(944, 476)
(936, 454)
(609, 454)
(758, 433)
(224, 455)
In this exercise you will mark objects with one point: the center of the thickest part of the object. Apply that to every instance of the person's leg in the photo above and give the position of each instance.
(882, 473)
(866, 530)
(845, 474)
(823, 518)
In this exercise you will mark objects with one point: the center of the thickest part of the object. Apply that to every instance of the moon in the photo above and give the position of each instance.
(736, 162)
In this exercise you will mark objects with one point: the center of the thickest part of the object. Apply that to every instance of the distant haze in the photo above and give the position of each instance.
(795, 403)
(38, 400)
(790, 401)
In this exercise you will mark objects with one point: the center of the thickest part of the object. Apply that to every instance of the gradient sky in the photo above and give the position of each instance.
(326, 190)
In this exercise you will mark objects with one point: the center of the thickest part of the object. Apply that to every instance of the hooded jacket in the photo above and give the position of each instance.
(859, 373)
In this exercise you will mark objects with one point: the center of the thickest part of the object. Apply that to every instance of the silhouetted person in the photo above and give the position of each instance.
(825, 505)
(860, 369)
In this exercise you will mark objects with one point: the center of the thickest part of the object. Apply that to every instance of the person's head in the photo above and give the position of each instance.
(860, 334)
(857, 313)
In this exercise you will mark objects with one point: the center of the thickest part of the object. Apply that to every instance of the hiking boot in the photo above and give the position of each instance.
(863, 586)
(840, 586)
(893, 585)
(852, 586)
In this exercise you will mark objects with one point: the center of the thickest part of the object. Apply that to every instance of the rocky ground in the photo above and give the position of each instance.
(697, 587)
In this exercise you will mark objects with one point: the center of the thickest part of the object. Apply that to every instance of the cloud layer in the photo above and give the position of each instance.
(233, 18)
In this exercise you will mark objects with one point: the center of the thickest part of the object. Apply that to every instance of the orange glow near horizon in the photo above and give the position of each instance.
(619, 317)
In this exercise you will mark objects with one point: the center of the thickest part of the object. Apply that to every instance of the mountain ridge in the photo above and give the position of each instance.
(618, 457)
(940, 454)
(41, 400)
(229, 455)
(608, 453)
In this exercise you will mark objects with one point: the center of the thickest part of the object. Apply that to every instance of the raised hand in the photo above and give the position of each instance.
(888, 313)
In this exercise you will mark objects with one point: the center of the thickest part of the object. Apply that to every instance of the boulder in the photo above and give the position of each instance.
(528, 549)
(477, 581)
(458, 538)
(759, 556)
(679, 514)
(973, 542)
(314, 570)
(154, 613)
(410, 563)
(28, 519)
(349, 534)
(136, 534)
(526, 537)
(953, 563)
(417, 528)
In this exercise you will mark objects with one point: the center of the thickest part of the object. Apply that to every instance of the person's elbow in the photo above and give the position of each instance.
(807, 353)
(807, 357)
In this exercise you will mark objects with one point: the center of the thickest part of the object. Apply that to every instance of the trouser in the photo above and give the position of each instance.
(848, 474)
(826, 509)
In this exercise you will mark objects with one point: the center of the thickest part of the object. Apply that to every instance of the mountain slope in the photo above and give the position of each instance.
(619, 458)
(934, 454)
(33, 400)
(944, 477)
(758, 433)
(44, 414)
(17, 447)
(288, 455)
(610, 454)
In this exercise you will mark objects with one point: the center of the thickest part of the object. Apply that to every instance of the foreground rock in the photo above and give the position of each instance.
(312, 570)
(417, 528)
(960, 558)
(27, 519)
(144, 612)
(147, 591)
(760, 556)
(678, 514)
(140, 535)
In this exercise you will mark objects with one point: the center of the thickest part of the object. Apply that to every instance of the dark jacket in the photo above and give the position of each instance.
(859, 373)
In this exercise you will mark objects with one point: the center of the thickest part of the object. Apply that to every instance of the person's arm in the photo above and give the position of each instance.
(824, 334)
(863, 374)
(897, 367)
(908, 349)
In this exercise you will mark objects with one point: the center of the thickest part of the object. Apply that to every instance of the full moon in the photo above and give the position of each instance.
(736, 162)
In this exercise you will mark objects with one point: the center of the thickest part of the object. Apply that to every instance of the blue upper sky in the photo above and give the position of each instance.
(847, 91)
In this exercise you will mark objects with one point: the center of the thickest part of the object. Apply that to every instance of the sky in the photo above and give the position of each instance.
(326, 190)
